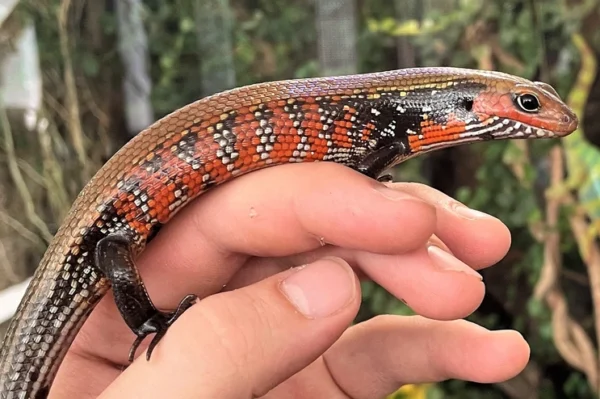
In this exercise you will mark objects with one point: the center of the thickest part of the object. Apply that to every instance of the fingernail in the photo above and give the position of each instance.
(445, 261)
(466, 212)
(392, 194)
(320, 289)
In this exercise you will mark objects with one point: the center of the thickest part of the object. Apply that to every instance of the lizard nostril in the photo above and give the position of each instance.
(570, 121)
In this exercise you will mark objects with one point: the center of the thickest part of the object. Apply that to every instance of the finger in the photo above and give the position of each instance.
(399, 351)
(474, 237)
(243, 343)
(435, 240)
(256, 269)
(431, 281)
(375, 358)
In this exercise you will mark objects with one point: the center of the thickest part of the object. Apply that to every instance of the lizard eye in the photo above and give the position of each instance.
(528, 102)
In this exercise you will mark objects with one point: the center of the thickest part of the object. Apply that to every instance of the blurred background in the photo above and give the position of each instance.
(79, 78)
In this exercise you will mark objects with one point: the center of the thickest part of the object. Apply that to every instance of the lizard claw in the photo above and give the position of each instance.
(387, 178)
(158, 324)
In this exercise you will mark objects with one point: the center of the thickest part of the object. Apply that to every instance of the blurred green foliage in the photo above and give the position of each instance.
(276, 39)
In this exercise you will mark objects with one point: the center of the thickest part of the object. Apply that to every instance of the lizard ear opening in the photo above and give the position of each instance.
(468, 104)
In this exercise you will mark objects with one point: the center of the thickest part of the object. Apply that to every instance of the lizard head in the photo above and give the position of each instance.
(526, 109)
(494, 106)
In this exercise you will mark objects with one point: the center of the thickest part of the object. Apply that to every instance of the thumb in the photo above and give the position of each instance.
(243, 343)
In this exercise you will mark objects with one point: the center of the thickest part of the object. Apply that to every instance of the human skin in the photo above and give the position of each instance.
(276, 257)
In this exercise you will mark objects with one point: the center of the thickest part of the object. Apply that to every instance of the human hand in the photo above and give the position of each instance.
(276, 332)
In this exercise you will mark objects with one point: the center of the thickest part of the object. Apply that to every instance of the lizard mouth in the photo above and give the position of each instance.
(510, 129)
(492, 129)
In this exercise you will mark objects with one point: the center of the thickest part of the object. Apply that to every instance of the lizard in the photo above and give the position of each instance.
(368, 122)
